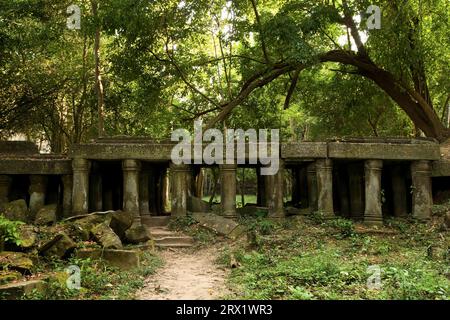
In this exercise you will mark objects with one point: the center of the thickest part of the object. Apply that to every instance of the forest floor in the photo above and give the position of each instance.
(187, 274)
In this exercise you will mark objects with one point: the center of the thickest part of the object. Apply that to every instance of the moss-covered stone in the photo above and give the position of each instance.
(46, 216)
(121, 221)
(7, 276)
(59, 247)
(16, 210)
(18, 261)
(105, 236)
(137, 234)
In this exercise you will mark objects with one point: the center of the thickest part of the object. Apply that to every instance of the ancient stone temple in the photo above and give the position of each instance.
(361, 179)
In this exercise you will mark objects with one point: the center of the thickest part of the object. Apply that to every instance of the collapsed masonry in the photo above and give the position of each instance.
(362, 179)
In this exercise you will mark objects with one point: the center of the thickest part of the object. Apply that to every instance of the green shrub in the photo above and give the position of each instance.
(9, 231)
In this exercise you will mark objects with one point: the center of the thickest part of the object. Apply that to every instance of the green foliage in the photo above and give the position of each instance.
(98, 280)
(9, 231)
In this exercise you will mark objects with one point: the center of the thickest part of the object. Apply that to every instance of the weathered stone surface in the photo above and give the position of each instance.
(253, 211)
(7, 276)
(16, 210)
(221, 225)
(197, 205)
(137, 234)
(123, 259)
(15, 291)
(83, 225)
(60, 246)
(28, 236)
(46, 216)
(15, 261)
(105, 236)
(382, 151)
(121, 221)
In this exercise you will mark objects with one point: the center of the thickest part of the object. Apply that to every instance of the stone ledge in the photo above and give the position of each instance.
(123, 259)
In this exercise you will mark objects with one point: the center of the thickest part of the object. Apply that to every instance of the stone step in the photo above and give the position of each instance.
(151, 221)
(174, 241)
(160, 231)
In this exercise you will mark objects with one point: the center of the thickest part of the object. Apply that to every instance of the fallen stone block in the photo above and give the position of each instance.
(18, 261)
(16, 211)
(60, 246)
(137, 234)
(14, 291)
(7, 276)
(27, 236)
(123, 259)
(220, 225)
(46, 216)
(105, 236)
(121, 221)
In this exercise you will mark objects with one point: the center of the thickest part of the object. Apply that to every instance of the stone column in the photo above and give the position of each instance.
(228, 189)
(38, 186)
(356, 187)
(275, 196)
(5, 185)
(311, 178)
(166, 192)
(80, 190)
(421, 185)
(144, 193)
(179, 186)
(372, 213)
(324, 173)
(67, 181)
(399, 191)
(130, 170)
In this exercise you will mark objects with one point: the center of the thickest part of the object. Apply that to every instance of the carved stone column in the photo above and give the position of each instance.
(421, 185)
(373, 214)
(131, 170)
(324, 172)
(80, 190)
(38, 187)
(67, 181)
(179, 189)
(228, 189)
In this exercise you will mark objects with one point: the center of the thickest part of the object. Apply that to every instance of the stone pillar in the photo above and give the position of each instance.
(399, 191)
(67, 181)
(356, 187)
(5, 186)
(179, 186)
(130, 170)
(324, 173)
(38, 186)
(80, 190)
(275, 195)
(166, 192)
(372, 213)
(144, 193)
(311, 178)
(228, 190)
(421, 185)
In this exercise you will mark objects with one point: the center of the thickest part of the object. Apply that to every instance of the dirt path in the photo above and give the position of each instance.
(186, 275)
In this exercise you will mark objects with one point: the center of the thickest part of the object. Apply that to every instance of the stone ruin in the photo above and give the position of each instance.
(337, 178)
